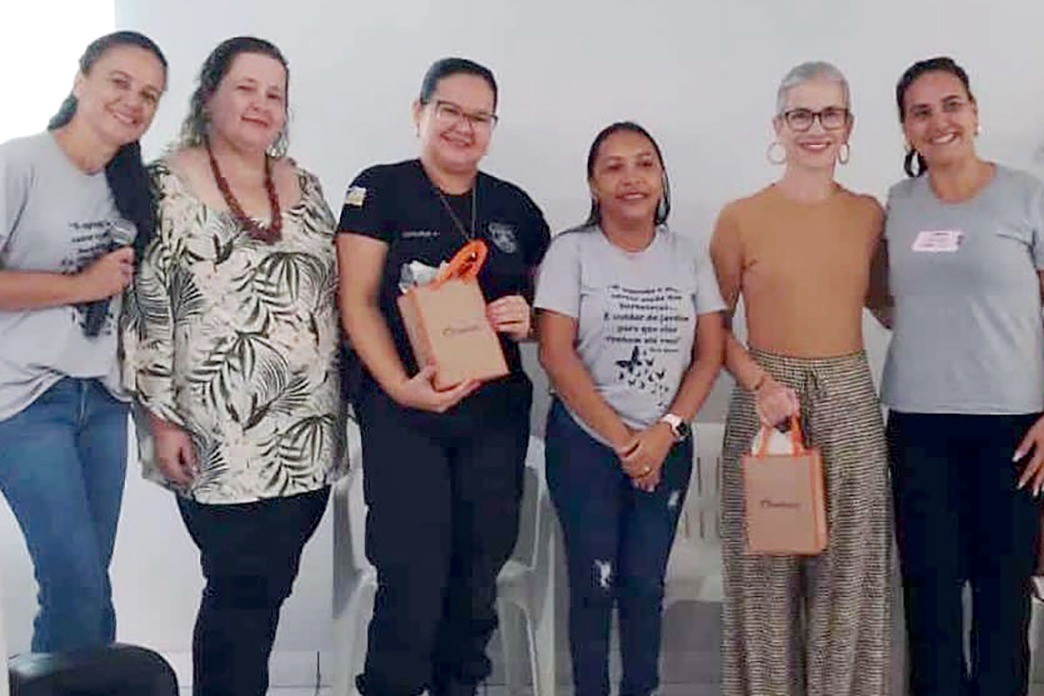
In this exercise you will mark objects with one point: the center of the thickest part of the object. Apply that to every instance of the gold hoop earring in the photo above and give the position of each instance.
(844, 153)
(772, 149)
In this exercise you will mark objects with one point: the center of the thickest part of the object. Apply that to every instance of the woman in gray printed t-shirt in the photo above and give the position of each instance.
(959, 280)
(632, 338)
(68, 198)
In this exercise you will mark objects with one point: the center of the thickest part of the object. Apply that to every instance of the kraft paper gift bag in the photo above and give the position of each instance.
(447, 326)
(783, 491)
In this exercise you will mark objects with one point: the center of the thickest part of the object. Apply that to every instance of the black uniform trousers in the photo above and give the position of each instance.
(443, 492)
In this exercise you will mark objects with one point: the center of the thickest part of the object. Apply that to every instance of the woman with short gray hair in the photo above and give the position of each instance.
(799, 252)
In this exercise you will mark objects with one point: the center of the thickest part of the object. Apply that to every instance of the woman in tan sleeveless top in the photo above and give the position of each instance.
(798, 253)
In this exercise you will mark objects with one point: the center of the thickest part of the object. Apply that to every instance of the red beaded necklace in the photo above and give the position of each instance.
(265, 233)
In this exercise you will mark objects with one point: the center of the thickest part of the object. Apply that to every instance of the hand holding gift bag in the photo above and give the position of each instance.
(447, 325)
(785, 505)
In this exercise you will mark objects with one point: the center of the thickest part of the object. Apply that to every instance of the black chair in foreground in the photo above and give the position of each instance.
(117, 670)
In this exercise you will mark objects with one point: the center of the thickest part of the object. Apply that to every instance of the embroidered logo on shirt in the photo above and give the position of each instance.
(356, 196)
(503, 235)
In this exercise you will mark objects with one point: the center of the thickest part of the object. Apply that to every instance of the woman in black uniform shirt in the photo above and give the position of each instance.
(443, 468)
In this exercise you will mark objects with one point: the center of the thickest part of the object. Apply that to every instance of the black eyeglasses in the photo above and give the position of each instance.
(448, 112)
(831, 118)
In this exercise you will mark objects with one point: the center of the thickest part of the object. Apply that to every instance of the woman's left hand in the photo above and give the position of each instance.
(510, 315)
(644, 461)
(1033, 472)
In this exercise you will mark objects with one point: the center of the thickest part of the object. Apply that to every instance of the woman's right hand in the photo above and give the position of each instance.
(175, 454)
(775, 402)
(108, 275)
(418, 392)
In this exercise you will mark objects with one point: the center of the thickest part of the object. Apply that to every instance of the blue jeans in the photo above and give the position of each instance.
(617, 541)
(62, 466)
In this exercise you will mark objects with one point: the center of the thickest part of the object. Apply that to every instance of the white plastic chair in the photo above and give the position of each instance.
(524, 583)
(3, 646)
(354, 578)
(694, 567)
(1036, 607)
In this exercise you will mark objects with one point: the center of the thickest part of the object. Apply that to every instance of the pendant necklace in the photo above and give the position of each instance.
(464, 232)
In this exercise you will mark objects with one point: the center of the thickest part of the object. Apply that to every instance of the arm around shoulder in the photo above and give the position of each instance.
(878, 294)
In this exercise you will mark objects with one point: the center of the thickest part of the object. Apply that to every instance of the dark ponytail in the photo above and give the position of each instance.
(913, 157)
(125, 172)
(939, 64)
(129, 183)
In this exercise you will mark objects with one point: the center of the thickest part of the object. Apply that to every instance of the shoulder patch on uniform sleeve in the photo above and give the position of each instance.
(356, 196)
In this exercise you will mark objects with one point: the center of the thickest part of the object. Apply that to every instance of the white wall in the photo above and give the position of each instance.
(38, 57)
(700, 75)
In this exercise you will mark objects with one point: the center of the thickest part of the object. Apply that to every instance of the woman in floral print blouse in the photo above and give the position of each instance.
(230, 348)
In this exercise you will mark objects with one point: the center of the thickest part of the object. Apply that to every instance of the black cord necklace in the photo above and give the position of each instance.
(464, 232)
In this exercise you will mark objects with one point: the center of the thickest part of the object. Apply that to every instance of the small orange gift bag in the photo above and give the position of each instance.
(785, 505)
(446, 322)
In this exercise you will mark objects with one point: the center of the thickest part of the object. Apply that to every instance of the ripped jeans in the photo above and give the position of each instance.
(617, 542)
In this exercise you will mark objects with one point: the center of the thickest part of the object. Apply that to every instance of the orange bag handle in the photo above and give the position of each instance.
(797, 438)
(465, 264)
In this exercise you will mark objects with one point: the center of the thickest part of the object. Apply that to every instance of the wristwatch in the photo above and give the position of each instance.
(679, 427)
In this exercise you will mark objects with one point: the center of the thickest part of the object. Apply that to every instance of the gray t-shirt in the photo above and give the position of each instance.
(55, 218)
(636, 313)
(967, 327)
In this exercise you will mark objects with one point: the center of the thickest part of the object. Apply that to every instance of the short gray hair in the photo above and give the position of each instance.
(806, 72)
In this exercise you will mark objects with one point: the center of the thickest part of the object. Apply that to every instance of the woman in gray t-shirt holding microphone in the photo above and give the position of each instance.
(67, 196)
(631, 336)
(959, 280)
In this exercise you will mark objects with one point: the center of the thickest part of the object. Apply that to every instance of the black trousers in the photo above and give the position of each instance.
(960, 519)
(250, 554)
(443, 493)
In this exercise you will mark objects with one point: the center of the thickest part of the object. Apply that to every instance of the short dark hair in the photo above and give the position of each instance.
(215, 67)
(445, 67)
(663, 209)
(125, 172)
(938, 64)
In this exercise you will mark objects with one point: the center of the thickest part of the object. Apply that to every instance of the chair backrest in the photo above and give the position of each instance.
(700, 514)
(530, 518)
(115, 670)
(356, 501)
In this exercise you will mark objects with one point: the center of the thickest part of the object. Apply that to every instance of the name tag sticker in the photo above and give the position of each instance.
(937, 241)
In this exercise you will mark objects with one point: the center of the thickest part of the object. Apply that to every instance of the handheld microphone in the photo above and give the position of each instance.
(121, 234)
